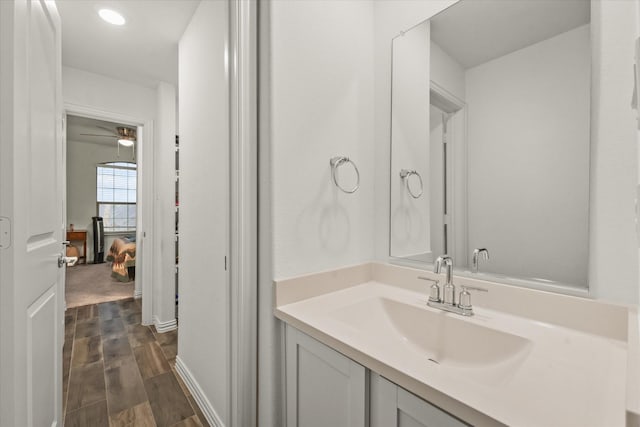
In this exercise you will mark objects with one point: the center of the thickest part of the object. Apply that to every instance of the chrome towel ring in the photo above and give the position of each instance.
(405, 174)
(338, 161)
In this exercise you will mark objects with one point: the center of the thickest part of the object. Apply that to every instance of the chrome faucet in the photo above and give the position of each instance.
(476, 257)
(448, 301)
(449, 290)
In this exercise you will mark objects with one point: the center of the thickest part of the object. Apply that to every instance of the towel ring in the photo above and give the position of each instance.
(405, 174)
(338, 161)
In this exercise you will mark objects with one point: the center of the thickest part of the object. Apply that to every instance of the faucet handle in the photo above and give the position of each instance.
(465, 297)
(434, 292)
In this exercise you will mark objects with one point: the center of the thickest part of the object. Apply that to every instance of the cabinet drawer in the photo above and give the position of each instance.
(76, 235)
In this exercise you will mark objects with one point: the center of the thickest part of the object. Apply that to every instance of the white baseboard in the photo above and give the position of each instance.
(137, 294)
(167, 326)
(205, 406)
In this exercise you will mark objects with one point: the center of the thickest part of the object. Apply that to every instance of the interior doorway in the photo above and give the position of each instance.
(101, 212)
(447, 178)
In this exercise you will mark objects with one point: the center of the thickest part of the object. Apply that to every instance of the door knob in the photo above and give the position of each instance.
(66, 260)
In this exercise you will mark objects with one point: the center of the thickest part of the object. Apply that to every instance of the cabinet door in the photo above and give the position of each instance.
(393, 406)
(324, 388)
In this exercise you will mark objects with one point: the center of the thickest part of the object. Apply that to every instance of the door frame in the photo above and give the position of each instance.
(144, 203)
(456, 167)
(243, 235)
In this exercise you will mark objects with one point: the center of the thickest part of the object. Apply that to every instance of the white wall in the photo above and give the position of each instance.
(316, 103)
(82, 159)
(446, 72)
(107, 94)
(528, 159)
(613, 263)
(321, 107)
(164, 212)
(204, 341)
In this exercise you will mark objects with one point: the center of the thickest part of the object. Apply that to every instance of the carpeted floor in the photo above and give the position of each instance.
(93, 284)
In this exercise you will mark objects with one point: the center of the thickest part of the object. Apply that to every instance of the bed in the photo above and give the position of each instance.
(122, 255)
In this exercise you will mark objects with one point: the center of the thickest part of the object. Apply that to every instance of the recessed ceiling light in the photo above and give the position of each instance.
(111, 16)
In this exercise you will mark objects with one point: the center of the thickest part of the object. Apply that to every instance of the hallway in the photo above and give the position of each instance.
(117, 372)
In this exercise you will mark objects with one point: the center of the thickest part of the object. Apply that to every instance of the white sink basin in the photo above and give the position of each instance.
(481, 353)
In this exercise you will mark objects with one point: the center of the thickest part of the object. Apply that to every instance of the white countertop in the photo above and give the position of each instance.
(562, 377)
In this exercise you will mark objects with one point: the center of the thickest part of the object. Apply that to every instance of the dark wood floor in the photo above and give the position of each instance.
(120, 373)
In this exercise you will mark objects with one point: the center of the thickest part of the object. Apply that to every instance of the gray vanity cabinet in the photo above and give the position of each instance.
(323, 387)
(393, 406)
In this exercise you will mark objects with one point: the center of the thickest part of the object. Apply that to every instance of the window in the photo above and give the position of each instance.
(116, 196)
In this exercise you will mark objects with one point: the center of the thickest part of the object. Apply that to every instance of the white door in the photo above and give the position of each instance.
(31, 204)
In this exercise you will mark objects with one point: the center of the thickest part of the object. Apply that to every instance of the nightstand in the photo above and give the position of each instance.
(76, 236)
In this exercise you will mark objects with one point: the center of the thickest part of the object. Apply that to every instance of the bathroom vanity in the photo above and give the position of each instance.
(490, 175)
(363, 348)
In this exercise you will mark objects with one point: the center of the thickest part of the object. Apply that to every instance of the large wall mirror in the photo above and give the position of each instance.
(490, 140)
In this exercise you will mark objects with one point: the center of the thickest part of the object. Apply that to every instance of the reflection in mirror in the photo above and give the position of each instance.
(410, 217)
(491, 109)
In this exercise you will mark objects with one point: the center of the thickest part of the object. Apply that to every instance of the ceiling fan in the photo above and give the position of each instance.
(125, 136)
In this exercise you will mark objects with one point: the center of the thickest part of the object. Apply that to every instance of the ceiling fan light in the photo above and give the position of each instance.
(111, 16)
(126, 142)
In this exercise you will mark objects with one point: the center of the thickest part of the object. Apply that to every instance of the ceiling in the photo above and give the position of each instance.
(143, 51)
(474, 32)
(76, 126)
